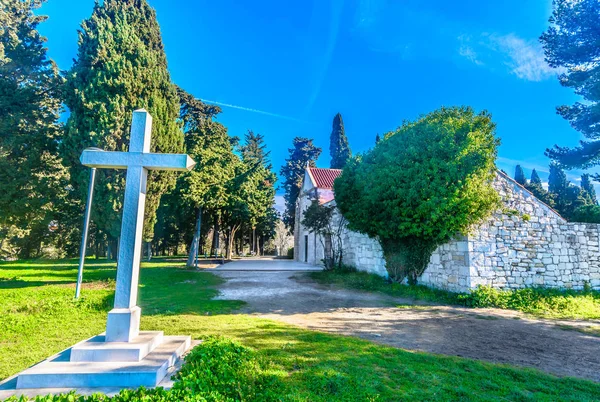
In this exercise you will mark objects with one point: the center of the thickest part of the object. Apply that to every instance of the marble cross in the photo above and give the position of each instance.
(123, 322)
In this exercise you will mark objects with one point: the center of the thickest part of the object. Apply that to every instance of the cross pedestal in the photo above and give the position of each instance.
(122, 357)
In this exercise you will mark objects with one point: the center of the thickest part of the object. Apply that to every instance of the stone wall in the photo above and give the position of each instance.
(364, 253)
(524, 244)
(448, 268)
(528, 244)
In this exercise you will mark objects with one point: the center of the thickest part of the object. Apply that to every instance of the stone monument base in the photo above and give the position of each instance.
(95, 363)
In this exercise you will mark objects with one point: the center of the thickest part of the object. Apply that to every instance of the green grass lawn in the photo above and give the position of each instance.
(38, 317)
(546, 303)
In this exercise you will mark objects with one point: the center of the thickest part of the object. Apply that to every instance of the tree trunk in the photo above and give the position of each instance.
(114, 249)
(149, 250)
(195, 246)
(215, 240)
(328, 251)
(230, 242)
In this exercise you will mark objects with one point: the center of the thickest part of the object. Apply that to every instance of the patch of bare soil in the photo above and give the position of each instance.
(499, 336)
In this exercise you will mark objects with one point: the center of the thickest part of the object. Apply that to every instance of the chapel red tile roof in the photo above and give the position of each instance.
(324, 177)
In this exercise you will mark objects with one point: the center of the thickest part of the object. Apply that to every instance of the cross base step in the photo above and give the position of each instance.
(96, 349)
(60, 372)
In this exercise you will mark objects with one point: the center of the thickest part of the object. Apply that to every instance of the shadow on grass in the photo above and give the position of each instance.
(19, 284)
(332, 367)
(54, 264)
(188, 292)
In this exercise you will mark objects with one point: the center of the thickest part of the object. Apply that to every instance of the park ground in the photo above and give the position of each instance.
(266, 310)
(494, 335)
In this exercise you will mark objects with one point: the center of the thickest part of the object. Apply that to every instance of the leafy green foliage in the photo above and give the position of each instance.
(571, 42)
(121, 66)
(32, 179)
(251, 194)
(587, 214)
(220, 370)
(339, 148)
(302, 153)
(206, 188)
(566, 197)
(536, 187)
(317, 217)
(260, 180)
(588, 192)
(425, 183)
(541, 302)
(550, 303)
(209, 146)
(329, 226)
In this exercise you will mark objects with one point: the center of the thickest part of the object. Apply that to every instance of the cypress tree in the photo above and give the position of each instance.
(339, 148)
(31, 174)
(520, 175)
(588, 192)
(535, 179)
(558, 187)
(567, 197)
(121, 66)
(302, 153)
(536, 187)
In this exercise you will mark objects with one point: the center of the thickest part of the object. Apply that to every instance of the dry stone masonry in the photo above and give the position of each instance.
(524, 244)
(529, 244)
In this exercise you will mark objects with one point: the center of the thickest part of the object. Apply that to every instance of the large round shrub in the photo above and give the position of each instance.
(423, 184)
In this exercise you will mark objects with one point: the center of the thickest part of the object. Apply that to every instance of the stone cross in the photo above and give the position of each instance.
(123, 322)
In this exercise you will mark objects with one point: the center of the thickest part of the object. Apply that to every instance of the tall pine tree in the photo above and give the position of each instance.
(571, 42)
(339, 148)
(32, 179)
(303, 152)
(121, 66)
(255, 149)
(259, 186)
(205, 188)
(520, 175)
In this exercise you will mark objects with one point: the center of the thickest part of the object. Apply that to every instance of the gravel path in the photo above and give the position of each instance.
(492, 335)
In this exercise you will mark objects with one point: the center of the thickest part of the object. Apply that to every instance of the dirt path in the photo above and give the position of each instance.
(497, 336)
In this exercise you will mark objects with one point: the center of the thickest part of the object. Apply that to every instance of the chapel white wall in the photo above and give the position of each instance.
(315, 251)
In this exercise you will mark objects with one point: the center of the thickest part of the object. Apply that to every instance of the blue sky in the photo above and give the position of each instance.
(286, 68)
